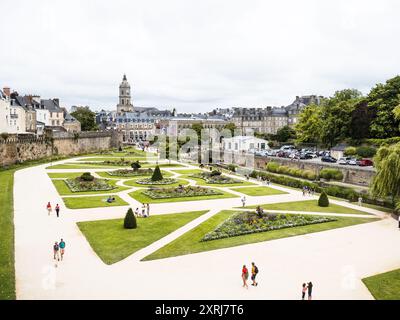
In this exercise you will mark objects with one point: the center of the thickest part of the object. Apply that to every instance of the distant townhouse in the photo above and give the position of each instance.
(270, 119)
(4, 112)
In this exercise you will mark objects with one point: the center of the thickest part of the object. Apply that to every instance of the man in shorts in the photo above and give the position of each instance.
(254, 272)
(56, 251)
(62, 248)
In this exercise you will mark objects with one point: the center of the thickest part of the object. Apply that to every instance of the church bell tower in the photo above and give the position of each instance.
(125, 104)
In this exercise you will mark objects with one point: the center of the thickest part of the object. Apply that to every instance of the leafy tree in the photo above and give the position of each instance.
(383, 99)
(130, 220)
(157, 175)
(396, 112)
(361, 118)
(285, 133)
(86, 117)
(323, 200)
(308, 128)
(231, 127)
(336, 116)
(386, 182)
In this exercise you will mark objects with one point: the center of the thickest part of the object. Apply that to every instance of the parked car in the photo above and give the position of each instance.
(328, 159)
(352, 162)
(288, 147)
(343, 161)
(365, 163)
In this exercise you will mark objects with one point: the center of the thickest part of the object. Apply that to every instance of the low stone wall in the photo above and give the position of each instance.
(21, 149)
(354, 175)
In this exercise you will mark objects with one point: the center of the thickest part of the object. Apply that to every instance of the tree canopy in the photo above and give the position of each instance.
(386, 182)
(86, 117)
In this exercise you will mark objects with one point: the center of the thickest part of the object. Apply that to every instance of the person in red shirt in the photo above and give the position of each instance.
(48, 208)
(245, 276)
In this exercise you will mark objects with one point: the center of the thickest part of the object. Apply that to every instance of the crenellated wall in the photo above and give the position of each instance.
(19, 149)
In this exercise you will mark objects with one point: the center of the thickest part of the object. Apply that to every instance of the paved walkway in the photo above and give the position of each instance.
(334, 260)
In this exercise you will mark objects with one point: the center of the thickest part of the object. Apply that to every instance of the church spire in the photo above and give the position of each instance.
(124, 79)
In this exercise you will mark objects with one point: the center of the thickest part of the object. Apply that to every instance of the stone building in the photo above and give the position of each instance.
(270, 119)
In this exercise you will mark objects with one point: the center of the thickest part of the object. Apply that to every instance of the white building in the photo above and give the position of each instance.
(4, 113)
(242, 144)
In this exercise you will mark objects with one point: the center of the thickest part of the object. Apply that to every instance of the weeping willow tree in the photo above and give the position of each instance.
(386, 182)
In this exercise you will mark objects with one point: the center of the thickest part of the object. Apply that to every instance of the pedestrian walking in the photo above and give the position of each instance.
(360, 199)
(56, 251)
(57, 210)
(48, 207)
(254, 272)
(143, 210)
(137, 212)
(62, 248)
(245, 276)
(303, 291)
(244, 201)
(310, 288)
(148, 210)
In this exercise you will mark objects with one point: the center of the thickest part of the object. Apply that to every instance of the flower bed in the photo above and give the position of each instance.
(131, 173)
(243, 223)
(179, 192)
(121, 163)
(164, 181)
(215, 179)
(79, 185)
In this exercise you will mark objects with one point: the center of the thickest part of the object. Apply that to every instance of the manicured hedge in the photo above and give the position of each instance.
(294, 172)
(330, 174)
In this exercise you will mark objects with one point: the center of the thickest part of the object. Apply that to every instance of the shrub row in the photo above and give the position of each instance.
(330, 174)
(294, 172)
(361, 152)
(333, 191)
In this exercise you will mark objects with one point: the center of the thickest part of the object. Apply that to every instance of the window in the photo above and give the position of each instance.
(251, 145)
(236, 146)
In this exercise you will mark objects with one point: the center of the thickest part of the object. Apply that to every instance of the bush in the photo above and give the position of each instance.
(87, 177)
(323, 200)
(272, 166)
(136, 165)
(130, 220)
(329, 174)
(366, 152)
(232, 167)
(215, 173)
(157, 175)
(350, 151)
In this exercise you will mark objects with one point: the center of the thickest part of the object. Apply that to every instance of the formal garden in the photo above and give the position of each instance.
(216, 177)
(194, 240)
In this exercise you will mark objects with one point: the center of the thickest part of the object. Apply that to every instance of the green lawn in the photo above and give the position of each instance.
(63, 189)
(202, 182)
(105, 174)
(82, 166)
(188, 171)
(112, 242)
(308, 206)
(92, 202)
(163, 165)
(259, 191)
(139, 196)
(133, 183)
(7, 271)
(190, 242)
(110, 158)
(64, 175)
(385, 286)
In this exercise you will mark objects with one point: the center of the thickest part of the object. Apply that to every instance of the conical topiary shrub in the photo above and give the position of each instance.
(130, 220)
(323, 200)
(157, 175)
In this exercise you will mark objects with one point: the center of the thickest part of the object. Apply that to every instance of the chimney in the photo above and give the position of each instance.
(57, 101)
(7, 91)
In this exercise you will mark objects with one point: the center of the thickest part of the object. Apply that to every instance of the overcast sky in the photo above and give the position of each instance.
(196, 55)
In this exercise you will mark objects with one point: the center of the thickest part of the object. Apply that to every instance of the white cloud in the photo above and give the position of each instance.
(196, 55)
